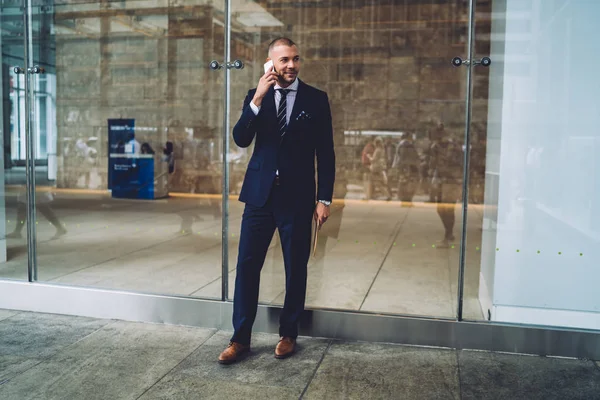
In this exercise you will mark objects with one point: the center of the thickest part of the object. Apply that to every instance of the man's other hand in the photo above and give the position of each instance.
(321, 213)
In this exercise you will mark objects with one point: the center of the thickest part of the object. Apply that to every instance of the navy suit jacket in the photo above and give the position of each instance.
(309, 134)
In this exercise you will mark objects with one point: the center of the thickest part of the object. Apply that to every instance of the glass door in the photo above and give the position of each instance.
(127, 120)
(13, 200)
(392, 243)
(109, 90)
(534, 204)
(16, 219)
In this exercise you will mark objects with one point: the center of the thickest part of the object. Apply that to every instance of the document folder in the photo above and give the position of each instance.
(315, 237)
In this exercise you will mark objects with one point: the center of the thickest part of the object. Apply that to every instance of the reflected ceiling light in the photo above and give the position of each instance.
(373, 133)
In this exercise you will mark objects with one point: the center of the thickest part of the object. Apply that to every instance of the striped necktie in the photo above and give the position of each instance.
(282, 111)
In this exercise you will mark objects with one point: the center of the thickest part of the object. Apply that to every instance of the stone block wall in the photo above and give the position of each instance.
(385, 64)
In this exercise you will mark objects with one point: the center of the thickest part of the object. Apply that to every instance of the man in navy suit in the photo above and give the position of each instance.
(290, 123)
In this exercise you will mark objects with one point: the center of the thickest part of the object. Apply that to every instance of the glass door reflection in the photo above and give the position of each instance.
(128, 119)
(13, 205)
(392, 242)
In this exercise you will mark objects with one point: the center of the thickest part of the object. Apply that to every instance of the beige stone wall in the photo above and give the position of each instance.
(386, 66)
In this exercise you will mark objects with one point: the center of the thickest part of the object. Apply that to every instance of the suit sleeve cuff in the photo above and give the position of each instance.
(255, 109)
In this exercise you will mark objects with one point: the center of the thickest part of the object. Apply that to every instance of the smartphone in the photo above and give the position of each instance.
(269, 66)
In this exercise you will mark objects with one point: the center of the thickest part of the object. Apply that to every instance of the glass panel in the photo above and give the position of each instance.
(477, 168)
(13, 215)
(393, 92)
(129, 120)
(541, 203)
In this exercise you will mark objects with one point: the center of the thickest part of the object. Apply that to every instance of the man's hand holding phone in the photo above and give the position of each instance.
(268, 80)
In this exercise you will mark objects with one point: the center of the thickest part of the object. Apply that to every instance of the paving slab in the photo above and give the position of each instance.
(34, 335)
(258, 375)
(120, 361)
(487, 376)
(26, 339)
(381, 371)
(4, 314)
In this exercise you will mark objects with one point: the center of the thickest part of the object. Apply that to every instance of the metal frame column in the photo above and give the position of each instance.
(225, 191)
(30, 142)
(467, 156)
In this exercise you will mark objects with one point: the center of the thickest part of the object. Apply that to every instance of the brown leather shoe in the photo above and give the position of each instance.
(285, 348)
(232, 353)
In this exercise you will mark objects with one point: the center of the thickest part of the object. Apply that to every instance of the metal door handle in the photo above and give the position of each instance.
(37, 70)
(215, 65)
(484, 62)
(33, 70)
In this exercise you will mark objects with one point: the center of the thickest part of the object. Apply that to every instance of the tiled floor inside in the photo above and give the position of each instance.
(44, 356)
(372, 255)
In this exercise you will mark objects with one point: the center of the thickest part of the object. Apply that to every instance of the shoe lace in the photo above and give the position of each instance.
(235, 345)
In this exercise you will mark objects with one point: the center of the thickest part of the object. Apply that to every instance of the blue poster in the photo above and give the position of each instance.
(133, 178)
(131, 173)
(119, 133)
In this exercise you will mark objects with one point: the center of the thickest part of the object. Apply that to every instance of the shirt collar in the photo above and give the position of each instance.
(293, 86)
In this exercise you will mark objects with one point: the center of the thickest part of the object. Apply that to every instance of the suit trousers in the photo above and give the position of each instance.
(258, 226)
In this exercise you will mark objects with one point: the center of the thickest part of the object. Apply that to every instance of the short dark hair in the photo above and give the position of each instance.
(281, 40)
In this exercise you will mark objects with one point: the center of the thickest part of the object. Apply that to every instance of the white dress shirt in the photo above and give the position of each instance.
(291, 99)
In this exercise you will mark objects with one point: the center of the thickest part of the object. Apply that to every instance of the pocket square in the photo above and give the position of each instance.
(303, 116)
